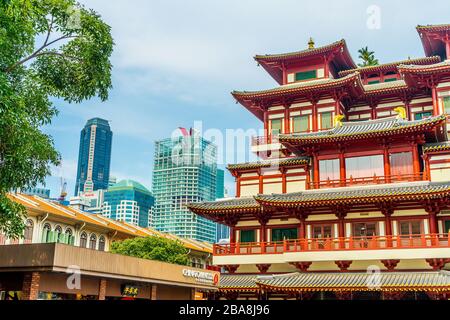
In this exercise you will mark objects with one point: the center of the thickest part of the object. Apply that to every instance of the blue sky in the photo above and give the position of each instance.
(176, 62)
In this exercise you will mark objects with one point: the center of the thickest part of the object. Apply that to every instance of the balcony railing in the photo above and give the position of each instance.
(334, 244)
(365, 181)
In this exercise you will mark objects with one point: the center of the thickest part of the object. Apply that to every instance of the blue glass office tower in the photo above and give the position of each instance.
(129, 201)
(184, 171)
(222, 231)
(94, 157)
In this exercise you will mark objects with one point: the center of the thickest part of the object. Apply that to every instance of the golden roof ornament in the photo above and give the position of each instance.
(401, 112)
(337, 120)
(311, 43)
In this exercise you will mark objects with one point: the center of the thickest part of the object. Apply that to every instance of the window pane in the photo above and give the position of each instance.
(447, 226)
(300, 124)
(422, 115)
(329, 169)
(284, 233)
(305, 75)
(359, 167)
(404, 228)
(248, 236)
(373, 82)
(364, 229)
(401, 163)
(415, 227)
(276, 125)
(447, 105)
(326, 120)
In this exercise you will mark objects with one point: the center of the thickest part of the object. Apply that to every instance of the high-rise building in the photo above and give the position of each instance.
(94, 157)
(184, 171)
(129, 201)
(41, 192)
(222, 231)
(90, 201)
(220, 184)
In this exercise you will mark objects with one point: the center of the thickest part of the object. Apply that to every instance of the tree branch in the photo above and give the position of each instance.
(38, 51)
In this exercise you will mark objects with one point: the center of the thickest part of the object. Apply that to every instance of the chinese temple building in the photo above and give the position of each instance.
(350, 199)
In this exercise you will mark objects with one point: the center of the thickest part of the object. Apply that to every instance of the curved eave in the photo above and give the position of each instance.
(304, 141)
(388, 90)
(357, 199)
(391, 65)
(431, 44)
(256, 165)
(296, 89)
(425, 70)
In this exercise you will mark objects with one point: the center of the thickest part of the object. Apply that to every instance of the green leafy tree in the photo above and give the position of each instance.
(48, 49)
(367, 57)
(153, 248)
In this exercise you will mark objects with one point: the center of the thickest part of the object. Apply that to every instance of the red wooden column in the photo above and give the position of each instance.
(266, 125)
(435, 100)
(387, 209)
(340, 212)
(337, 107)
(308, 177)
(432, 209)
(260, 182)
(415, 154)
(387, 162)
(342, 173)
(283, 180)
(287, 122)
(427, 170)
(316, 176)
(315, 124)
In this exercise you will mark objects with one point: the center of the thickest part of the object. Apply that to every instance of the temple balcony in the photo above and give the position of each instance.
(266, 146)
(373, 180)
(409, 247)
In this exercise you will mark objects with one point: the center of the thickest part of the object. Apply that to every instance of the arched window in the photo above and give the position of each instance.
(69, 236)
(101, 243)
(58, 234)
(83, 240)
(46, 233)
(28, 232)
(93, 241)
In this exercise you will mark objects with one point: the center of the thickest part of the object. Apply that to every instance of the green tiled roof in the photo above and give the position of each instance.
(362, 194)
(298, 87)
(229, 281)
(228, 204)
(390, 65)
(358, 281)
(270, 163)
(301, 53)
(363, 129)
(438, 146)
(318, 281)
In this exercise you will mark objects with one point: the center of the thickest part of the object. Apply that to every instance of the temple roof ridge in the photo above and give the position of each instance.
(301, 53)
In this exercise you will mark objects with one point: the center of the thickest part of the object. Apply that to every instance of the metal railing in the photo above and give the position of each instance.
(334, 244)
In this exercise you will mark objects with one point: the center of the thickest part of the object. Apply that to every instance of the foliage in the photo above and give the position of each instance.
(153, 248)
(48, 48)
(368, 57)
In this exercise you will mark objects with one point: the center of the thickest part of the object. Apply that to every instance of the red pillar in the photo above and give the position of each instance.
(314, 118)
(260, 183)
(283, 181)
(238, 186)
(316, 176)
(435, 101)
(387, 164)
(415, 153)
(342, 174)
(427, 171)
(287, 125)
(266, 125)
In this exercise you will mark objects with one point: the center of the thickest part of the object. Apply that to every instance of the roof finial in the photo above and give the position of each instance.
(311, 43)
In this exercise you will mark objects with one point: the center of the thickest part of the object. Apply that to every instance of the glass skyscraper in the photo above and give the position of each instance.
(94, 157)
(184, 171)
(222, 231)
(129, 201)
